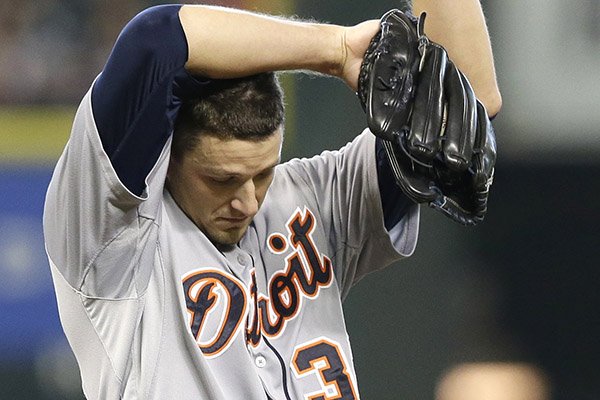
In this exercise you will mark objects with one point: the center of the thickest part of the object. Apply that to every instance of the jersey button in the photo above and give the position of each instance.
(241, 259)
(260, 361)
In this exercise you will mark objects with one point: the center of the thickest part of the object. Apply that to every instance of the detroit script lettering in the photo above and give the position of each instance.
(219, 302)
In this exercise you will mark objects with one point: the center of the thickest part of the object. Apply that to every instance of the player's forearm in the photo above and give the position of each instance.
(227, 43)
(459, 26)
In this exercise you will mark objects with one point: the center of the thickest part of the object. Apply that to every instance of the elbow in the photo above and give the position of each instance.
(145, 34)
(492, 101)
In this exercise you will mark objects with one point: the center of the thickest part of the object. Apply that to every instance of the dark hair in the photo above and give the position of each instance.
(249, 108)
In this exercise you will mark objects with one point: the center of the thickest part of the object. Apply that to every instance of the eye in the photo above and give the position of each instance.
(265, 174)
(222, 180)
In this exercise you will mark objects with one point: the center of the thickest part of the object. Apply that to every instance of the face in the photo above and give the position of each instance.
(221, 184)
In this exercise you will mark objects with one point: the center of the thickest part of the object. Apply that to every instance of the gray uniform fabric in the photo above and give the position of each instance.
(152, 310)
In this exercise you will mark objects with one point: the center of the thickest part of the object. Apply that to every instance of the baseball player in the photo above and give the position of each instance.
(188, 262)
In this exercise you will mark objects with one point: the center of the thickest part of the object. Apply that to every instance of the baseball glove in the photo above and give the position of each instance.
(437, 135)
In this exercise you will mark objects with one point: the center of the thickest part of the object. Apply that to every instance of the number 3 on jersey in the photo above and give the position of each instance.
(324, 358)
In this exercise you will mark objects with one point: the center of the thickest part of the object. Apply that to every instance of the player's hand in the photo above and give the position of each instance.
(356, 39)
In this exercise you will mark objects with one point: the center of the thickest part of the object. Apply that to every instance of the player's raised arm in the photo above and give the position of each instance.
(460, 27)
(227, 43)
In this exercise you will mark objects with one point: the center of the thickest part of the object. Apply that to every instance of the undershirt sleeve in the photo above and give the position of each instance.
(136, 98)
(394, 203)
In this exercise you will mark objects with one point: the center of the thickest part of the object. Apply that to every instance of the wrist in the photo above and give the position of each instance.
(333, 50)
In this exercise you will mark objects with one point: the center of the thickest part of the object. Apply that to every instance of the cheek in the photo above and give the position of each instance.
(212, 199)
(200, 200)
(207, 198)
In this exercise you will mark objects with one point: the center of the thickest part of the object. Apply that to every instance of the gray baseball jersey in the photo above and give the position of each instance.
(153, 310)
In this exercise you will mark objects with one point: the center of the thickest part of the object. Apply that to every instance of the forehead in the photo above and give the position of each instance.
(236, 156)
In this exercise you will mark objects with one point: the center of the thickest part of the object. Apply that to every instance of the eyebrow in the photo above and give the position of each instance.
(272, 166)
(235, 174)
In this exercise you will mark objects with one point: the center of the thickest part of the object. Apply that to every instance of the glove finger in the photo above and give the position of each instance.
(427, 117)
(461, 122)
(484, 150)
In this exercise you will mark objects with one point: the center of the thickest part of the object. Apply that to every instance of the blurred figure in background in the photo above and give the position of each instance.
(49, 49)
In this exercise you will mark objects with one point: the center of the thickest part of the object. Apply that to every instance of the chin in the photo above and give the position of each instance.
(226, 238)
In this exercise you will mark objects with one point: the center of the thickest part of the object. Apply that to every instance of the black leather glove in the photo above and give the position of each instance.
(437, 135)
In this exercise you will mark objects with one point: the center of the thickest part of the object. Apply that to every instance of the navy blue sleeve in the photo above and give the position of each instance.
(136, 97)
(394, 203)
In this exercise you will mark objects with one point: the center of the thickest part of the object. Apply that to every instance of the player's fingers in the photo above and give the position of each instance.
(356, 40)
(461, 122)
(428, 107)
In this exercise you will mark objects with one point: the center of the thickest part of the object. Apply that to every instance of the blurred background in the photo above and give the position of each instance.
(510, 303)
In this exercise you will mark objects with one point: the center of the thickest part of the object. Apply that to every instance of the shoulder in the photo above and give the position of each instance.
(361, 148)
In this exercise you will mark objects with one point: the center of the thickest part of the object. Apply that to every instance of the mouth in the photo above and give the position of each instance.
(233, 222)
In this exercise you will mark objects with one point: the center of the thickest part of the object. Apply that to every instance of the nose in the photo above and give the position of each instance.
(245, 201)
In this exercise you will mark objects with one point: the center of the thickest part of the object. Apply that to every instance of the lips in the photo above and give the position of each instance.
(233, 221)
(240, 219)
